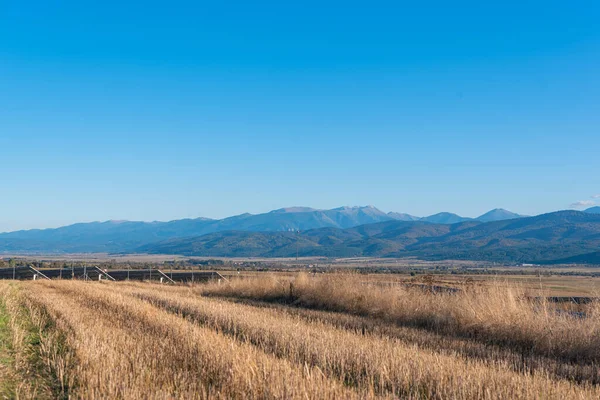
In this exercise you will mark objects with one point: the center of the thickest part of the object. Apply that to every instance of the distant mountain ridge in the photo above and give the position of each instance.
(119, 236)
(402, 216)
(444, 218)
(498, 214)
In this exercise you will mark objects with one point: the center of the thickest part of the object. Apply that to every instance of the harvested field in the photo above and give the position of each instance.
(316, 338)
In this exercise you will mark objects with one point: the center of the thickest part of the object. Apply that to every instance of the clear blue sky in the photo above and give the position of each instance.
(163, 110)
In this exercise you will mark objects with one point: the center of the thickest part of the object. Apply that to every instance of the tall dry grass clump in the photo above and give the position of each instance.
(497, 315)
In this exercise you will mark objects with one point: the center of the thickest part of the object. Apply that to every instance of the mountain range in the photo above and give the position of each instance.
(344, 231)
(116, 236)
(560, 237)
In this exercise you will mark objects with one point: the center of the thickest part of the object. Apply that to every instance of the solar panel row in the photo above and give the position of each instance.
(95, 273)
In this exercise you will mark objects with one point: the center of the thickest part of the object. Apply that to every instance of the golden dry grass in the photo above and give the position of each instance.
(493, 315)
(441, 342)
(339, 339)
(383, 364)
(128, 349)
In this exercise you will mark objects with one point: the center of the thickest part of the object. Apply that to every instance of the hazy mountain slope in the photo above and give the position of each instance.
(444, 218)
(302, 218)
(346, 217)
(107, 236)
(593, 210)
(275, 222)
(402, 216)
(295, 209)
(498, 214)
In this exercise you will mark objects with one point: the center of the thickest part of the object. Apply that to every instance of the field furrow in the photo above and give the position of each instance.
(525, 362)
(520, 359)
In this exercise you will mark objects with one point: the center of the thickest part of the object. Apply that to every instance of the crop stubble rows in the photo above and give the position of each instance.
(151, 341)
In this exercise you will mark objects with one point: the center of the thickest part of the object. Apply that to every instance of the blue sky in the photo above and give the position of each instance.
(157, 111)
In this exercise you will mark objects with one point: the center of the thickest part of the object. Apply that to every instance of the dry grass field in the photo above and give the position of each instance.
(528, 282)
(309, 337)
